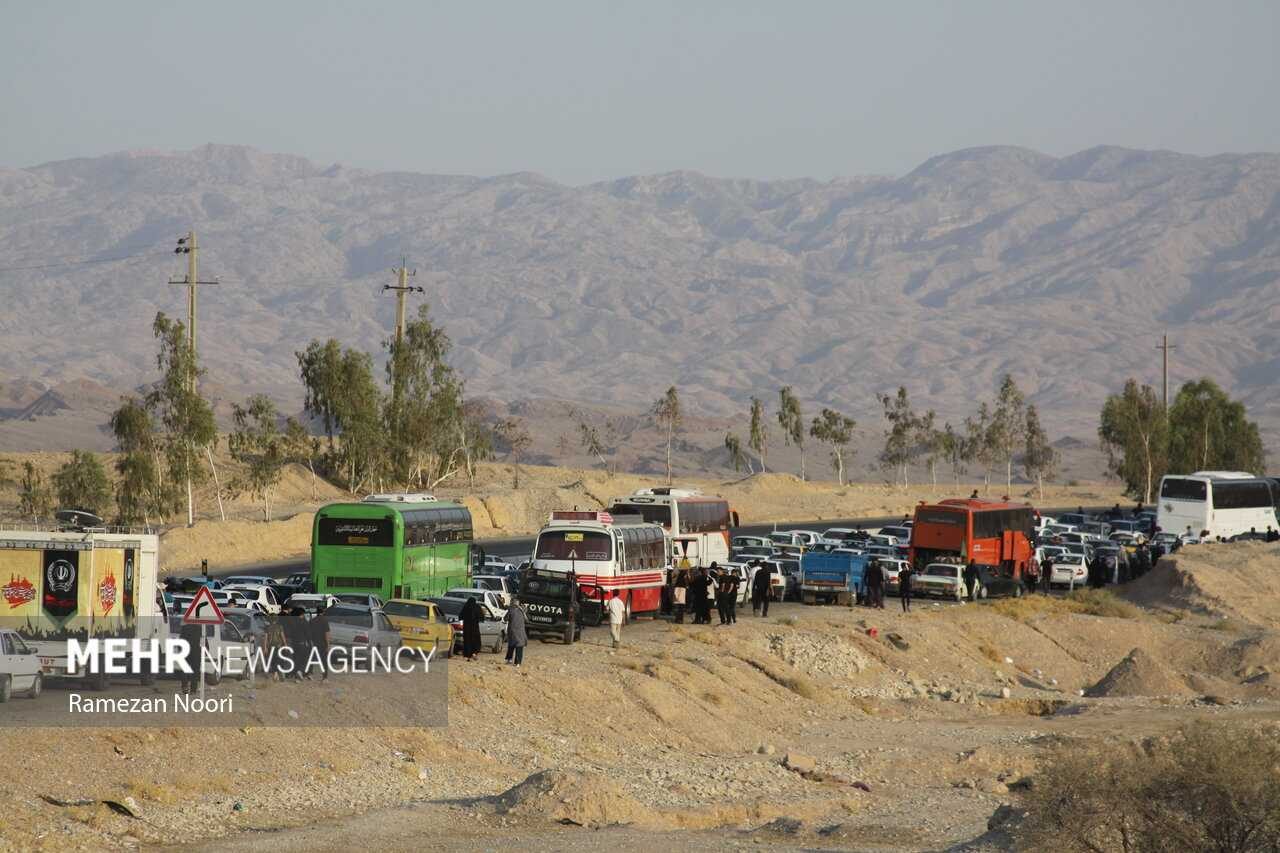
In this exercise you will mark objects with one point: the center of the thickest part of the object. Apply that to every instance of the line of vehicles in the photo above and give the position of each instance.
(396, 569)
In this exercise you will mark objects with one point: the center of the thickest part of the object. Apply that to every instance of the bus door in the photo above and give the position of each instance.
(1008, 560)
(685, 549)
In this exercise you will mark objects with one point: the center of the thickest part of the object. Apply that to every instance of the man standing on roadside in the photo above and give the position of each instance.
(517, 633)
(904, 587)
(617, 612)
(760, 589)
(722, 609)
(192, 634)
(875, 585)
(318, 633)
(729, 582)
(971, 579)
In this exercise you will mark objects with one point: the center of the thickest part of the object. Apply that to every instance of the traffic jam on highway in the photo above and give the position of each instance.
(396, 571)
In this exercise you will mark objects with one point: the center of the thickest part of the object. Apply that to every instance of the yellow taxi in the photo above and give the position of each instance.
(421, 624)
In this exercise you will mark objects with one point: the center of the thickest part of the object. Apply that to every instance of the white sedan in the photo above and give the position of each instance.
(1069, 569)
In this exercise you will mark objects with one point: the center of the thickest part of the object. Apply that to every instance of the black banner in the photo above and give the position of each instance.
(61, 585)
(130, 562)
(375, 532)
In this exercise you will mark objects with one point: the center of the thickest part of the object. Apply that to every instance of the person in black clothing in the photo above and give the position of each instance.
(729, 582)
(1046, 573)
(904, 587)
(970, 579)
(874, 582)
(974, 496)
(471, 628)
(192, 634)
(760, 590)
(722, 604)
(295, 631)
(1272, 535)
(318, 633)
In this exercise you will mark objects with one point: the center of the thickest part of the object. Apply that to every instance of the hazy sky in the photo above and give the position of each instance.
(593, 90)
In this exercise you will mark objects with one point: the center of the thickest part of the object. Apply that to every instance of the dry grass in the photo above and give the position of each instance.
(789, 621)
(1090, 602)
(990, 652)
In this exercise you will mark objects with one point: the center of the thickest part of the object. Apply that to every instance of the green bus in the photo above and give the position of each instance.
(392, 546)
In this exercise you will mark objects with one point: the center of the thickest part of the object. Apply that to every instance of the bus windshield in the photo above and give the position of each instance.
(574, 545)
(652, 513)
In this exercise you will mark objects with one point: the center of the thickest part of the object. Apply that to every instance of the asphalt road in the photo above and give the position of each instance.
(519, 548)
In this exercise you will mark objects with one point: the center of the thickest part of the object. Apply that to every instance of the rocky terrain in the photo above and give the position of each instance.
(1064, 271)
(806, 730)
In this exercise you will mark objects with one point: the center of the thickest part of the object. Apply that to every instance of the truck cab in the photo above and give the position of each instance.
(555, 606)
(833, 577)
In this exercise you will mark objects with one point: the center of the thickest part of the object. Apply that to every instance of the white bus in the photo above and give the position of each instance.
(607, 553)
(1215, 503)
(698, 524)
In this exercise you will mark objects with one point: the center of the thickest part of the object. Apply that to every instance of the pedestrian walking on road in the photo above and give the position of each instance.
(318, 633)
(680, 595)
(517, 634)
(760, 589)
(617, 612)
(904, 587)
(1046, 574)
(470, 628)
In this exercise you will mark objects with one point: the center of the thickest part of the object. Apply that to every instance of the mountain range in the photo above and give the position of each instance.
(1063, 271)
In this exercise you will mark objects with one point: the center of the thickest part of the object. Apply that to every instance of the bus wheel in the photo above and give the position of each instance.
(627, 619)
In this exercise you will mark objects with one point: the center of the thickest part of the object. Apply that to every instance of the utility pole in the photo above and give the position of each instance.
(402, 289)
(1164, 348)
(187, 246)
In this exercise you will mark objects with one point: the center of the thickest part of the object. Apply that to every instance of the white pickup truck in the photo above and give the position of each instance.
(19, 666)
(80, 584)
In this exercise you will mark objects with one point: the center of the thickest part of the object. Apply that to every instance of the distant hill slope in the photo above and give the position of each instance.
(1063, 271)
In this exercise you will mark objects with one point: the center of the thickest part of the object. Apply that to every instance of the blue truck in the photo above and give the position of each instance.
(831, 577)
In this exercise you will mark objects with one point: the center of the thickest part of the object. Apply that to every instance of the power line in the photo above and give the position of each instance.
(84, 262)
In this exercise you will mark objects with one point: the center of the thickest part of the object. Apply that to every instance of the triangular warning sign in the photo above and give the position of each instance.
(203, 610)
(573, 554)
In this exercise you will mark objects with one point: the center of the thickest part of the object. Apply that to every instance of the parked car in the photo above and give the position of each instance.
(248, 580)
(358, 626)
(252, 624)
(807, 538)
(298, 579)
(312, 601)
(496, 566)
(493, 627)
(752, 552)
(361, 598)
(787, 538)
(19, 667)
(891, 569)
(898, 532)
(422, 625)
(261, 593)
(227, 649)
(750, 542)
(941, 579)
(501, 584)
(791, 573)
(487, 597)
(1069, 568)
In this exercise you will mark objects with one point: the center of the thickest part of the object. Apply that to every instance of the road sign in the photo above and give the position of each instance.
(203, 610)
(573, 555)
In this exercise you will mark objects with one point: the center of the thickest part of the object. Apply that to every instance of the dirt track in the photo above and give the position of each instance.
(686, 728)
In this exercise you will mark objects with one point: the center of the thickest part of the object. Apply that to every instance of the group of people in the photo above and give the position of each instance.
(694, 591)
